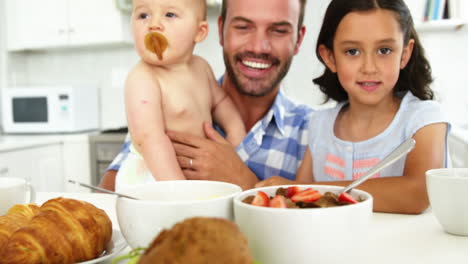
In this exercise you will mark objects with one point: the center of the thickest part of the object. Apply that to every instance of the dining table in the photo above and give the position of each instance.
(392, 238)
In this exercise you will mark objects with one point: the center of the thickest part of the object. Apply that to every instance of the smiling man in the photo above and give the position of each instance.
(259, 40)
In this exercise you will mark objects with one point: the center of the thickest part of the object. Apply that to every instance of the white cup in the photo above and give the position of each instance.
(447, 190)
(15, 191)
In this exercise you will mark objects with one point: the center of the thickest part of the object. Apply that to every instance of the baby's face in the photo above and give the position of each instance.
(179, 21)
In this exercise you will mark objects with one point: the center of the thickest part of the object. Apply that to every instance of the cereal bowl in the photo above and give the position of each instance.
(162, 204)
(309, 235)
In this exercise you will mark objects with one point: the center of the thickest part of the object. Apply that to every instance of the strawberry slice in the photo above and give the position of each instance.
(278, 202)
(291, 191)
(261, 199)
(346, 198)
(307, 195)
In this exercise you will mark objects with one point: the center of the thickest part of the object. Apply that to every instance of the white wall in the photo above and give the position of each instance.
(107, 66)
(298, 83)
(447, 53)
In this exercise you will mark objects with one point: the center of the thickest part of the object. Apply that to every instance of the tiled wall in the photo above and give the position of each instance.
(73, 66)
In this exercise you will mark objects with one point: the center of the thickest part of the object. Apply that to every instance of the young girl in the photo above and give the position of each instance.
(377, 72)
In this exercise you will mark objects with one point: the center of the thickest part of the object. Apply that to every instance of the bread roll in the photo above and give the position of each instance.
(199, 240)
(65, 231)
(18, 216)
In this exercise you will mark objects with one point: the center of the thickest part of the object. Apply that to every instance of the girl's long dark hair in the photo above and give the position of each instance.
(415, 77)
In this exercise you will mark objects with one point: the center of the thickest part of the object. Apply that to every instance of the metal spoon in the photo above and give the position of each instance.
(395, 155)
(101, 189)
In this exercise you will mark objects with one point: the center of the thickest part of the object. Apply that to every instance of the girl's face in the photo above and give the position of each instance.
(181, 22)
(368, 53)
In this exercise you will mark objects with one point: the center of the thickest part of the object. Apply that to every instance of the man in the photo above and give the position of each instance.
(259, 39)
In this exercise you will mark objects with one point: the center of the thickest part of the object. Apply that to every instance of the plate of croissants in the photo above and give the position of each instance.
(61, 230)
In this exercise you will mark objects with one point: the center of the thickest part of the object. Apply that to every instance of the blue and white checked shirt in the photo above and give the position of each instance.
(274, 146)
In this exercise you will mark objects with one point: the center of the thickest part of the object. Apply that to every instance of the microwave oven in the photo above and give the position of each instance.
(57, 109)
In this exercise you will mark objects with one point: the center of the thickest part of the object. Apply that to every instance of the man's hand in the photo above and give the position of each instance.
(210, 159)
(274, 180)
(108, 180)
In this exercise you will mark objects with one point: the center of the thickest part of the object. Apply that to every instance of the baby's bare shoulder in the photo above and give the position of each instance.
(198, 61)
(201, 65)
(140, 71)
(141, 75)
(141, 68)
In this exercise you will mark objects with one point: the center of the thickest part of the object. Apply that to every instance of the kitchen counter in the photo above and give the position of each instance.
(47, 160)
(393, 238)
(17, 142)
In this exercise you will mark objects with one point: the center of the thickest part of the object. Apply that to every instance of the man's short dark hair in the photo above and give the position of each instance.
(301, 15)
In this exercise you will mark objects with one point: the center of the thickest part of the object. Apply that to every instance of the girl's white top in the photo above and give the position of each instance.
(335, 159)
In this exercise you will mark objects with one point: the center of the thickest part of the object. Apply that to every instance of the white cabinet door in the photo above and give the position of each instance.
(76, 162)
(42, 166)
(97, 22)
(33, 24)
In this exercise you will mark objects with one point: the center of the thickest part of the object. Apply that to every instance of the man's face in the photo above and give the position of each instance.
(259, 40)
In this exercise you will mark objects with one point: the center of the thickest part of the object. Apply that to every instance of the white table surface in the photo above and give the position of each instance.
(393, 238)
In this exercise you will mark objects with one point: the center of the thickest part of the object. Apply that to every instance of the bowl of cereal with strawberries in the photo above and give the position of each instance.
(298, 223)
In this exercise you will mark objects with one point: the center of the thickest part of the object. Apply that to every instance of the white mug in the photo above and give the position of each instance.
(447, 190)
(15, 191)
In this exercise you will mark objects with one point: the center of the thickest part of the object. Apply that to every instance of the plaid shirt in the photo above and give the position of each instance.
(274, 146)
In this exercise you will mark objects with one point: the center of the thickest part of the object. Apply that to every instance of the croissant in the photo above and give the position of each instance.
(65, 231)
(18, 216)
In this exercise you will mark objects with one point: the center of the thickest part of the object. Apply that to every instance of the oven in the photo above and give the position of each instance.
(103, 148)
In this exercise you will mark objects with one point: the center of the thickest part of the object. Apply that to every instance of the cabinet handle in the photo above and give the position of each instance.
(71, 30)
(61, 31)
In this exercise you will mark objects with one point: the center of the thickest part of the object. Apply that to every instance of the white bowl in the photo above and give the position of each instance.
(447, 189)
(165, 203)
(313, 235)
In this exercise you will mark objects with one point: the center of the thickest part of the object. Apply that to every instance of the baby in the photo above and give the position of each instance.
(170, 89)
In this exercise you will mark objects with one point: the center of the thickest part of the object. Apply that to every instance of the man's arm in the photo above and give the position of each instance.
(212, 158)
(108, 180)
(303, 175)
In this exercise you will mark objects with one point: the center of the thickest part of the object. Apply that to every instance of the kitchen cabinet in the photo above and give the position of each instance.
(76, 163)
(103, 149)
(41, 165)
(47, 161)
(45, 24)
